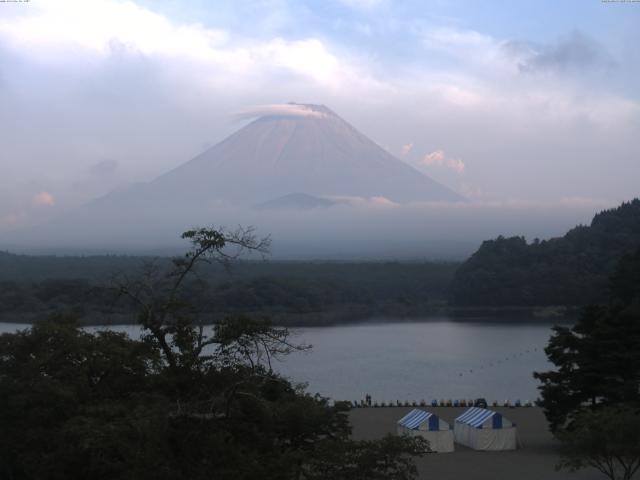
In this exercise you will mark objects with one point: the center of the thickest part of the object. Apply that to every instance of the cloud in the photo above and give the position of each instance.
(43, 199)
(382, 202)
(282, 110)
(438, 158)
(434, 158)
(456, 164)
(575, 51)
(66, 32)
(12, 219)
(449, 38)
(104, 168)
(488, 55)
(471, 191)
(365, 202)
(362, 4)
(466, 47)
(406, 149)
(100, 26)
(588, 202)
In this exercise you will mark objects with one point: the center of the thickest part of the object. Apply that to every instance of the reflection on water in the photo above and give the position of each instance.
(414, 361)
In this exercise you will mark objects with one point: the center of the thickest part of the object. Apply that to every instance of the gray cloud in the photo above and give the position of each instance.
(284, 110)
(104, 168)
(575, 51)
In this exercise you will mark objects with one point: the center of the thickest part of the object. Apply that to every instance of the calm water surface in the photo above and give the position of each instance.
(438, 358)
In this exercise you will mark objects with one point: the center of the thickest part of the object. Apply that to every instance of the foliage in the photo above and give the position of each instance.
(592, 399)
(181, 403)
(290, 292)
(598, 359)
(624, 285)
(368, 460)
(607, 439)
(66, 395)
(571, 270)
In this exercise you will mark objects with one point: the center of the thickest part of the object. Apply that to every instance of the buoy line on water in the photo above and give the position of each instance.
(499, 361)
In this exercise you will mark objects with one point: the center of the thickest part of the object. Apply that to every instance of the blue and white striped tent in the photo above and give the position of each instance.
(429, 426)
(483, 429)
(476, 417)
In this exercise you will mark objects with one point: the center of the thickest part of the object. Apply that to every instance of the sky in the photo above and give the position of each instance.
(524, 102)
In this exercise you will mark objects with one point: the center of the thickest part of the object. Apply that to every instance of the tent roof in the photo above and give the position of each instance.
(415, 418)
(476, 416)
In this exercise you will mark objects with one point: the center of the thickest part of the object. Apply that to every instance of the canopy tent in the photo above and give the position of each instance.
(483, 429)
(429, 426)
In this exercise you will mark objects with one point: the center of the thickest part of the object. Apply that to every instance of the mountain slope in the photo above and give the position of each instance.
(318, 154)
(571, 270)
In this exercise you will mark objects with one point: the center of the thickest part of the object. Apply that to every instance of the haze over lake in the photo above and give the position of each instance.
(438, 358)
(435, 358)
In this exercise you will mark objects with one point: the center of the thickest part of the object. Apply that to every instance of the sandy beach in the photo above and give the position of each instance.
(535, 459)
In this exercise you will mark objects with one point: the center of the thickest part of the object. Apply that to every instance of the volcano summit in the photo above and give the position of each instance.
(297, 148)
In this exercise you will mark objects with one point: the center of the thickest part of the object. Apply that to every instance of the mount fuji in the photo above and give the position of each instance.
(292, 156)
(303, 148)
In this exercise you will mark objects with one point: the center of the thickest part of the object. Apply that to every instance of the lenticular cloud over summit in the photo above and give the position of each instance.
(278, 109)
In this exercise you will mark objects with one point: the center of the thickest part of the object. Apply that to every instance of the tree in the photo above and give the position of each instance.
(592, 399)
(625, 282)
(367, 460)
(569, 270)
(598, 359)
(184, 402)
(71, 402)
(171, 322)
(607, 439)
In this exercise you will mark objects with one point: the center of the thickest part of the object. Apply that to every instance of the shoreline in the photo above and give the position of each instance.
(509, 314)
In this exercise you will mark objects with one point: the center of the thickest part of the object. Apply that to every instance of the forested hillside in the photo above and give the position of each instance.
(570, 270)
(289, 292)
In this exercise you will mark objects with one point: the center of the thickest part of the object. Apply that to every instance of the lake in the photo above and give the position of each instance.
(435, 358)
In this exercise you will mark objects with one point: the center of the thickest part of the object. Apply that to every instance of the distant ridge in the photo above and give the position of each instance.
(299, 201)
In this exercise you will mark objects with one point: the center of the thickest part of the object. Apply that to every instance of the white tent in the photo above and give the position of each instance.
(483, 429)
(430, 427)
